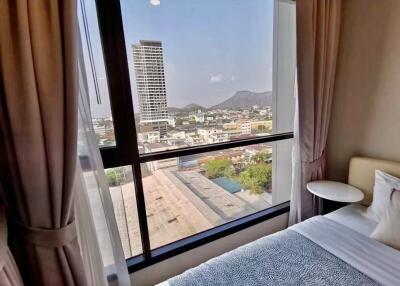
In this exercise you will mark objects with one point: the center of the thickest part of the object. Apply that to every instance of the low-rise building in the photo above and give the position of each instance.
(217, 138)
(172, 121)
(199, 117)
(205, 132)
(263, 112)
(193, 140)
(231, 125)
(179, 143)
(149, 137)
(174, 134)
(235, 156)
(160, 164)
(258, 149)
(246, 127)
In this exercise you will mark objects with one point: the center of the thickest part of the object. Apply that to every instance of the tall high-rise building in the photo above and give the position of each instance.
(150, 84)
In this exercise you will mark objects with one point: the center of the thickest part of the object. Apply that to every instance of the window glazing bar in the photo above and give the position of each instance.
(147, 157)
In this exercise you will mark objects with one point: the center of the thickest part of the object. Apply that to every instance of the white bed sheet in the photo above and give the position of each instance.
(353, 217)
(376, 260)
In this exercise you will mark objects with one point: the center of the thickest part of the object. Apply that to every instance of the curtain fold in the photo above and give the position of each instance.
(318, 28)
(38, 64)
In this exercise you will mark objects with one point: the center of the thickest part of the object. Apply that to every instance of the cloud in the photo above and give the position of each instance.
(155, 2)
(233, 78)
(217, 78)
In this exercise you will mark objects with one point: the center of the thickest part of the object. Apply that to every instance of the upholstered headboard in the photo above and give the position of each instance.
(362, 174)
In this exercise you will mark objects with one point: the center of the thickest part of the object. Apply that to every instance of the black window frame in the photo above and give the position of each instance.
(126, 152)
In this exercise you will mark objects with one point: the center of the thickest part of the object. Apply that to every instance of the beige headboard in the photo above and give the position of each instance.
(362, 174)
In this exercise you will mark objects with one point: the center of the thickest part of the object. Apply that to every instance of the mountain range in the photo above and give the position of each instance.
(241, 99)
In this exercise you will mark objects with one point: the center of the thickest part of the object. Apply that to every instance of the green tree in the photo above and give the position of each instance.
(261, 128)
(256, 177)
(260, 157)
(178, 121)
(219, 168)
(115, 176)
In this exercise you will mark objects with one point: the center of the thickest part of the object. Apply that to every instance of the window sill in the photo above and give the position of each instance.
(170, 250)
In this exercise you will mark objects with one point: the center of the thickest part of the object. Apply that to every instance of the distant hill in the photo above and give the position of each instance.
(194, 106)
(246, 99)
(187, 108)
(241, 99)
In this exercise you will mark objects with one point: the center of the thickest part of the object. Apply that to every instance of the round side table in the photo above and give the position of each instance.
(333, 191)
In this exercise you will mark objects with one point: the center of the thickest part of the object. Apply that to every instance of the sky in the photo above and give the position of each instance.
(212, 48)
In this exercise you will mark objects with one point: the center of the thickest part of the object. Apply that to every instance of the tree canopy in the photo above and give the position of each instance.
(219, 168)
(261, 157)
(115, 176)
(256, 177)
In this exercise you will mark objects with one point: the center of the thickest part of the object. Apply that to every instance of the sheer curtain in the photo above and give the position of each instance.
(9, 273)
(98, 234)
(295, 201)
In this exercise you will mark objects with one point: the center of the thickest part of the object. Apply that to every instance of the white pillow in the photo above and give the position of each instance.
(384, 185)
(388, 229)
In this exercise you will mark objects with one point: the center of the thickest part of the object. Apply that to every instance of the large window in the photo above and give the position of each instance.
(192, 102)
(201, 71)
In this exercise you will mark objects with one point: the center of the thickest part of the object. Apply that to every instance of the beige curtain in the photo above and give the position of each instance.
(318, 28)
(39, 78)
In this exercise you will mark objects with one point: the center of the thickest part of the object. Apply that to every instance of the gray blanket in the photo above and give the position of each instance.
(285, 258)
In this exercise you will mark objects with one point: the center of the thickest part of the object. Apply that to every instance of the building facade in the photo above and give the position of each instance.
(150, 84)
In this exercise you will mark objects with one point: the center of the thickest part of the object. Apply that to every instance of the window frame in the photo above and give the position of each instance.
(126, 152)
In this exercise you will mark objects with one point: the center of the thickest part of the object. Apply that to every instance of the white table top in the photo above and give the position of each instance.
(335, 191)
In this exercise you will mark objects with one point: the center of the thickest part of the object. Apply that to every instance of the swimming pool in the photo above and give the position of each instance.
(227, 184)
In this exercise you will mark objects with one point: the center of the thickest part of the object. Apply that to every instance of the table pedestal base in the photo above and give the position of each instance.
(318, 205)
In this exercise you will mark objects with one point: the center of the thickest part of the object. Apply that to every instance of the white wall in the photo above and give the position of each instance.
(366, 105)
(168, 268)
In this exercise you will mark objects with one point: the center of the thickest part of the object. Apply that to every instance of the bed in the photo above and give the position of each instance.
(334, 249)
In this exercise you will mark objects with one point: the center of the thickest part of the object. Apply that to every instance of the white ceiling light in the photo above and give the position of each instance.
(155, 2)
